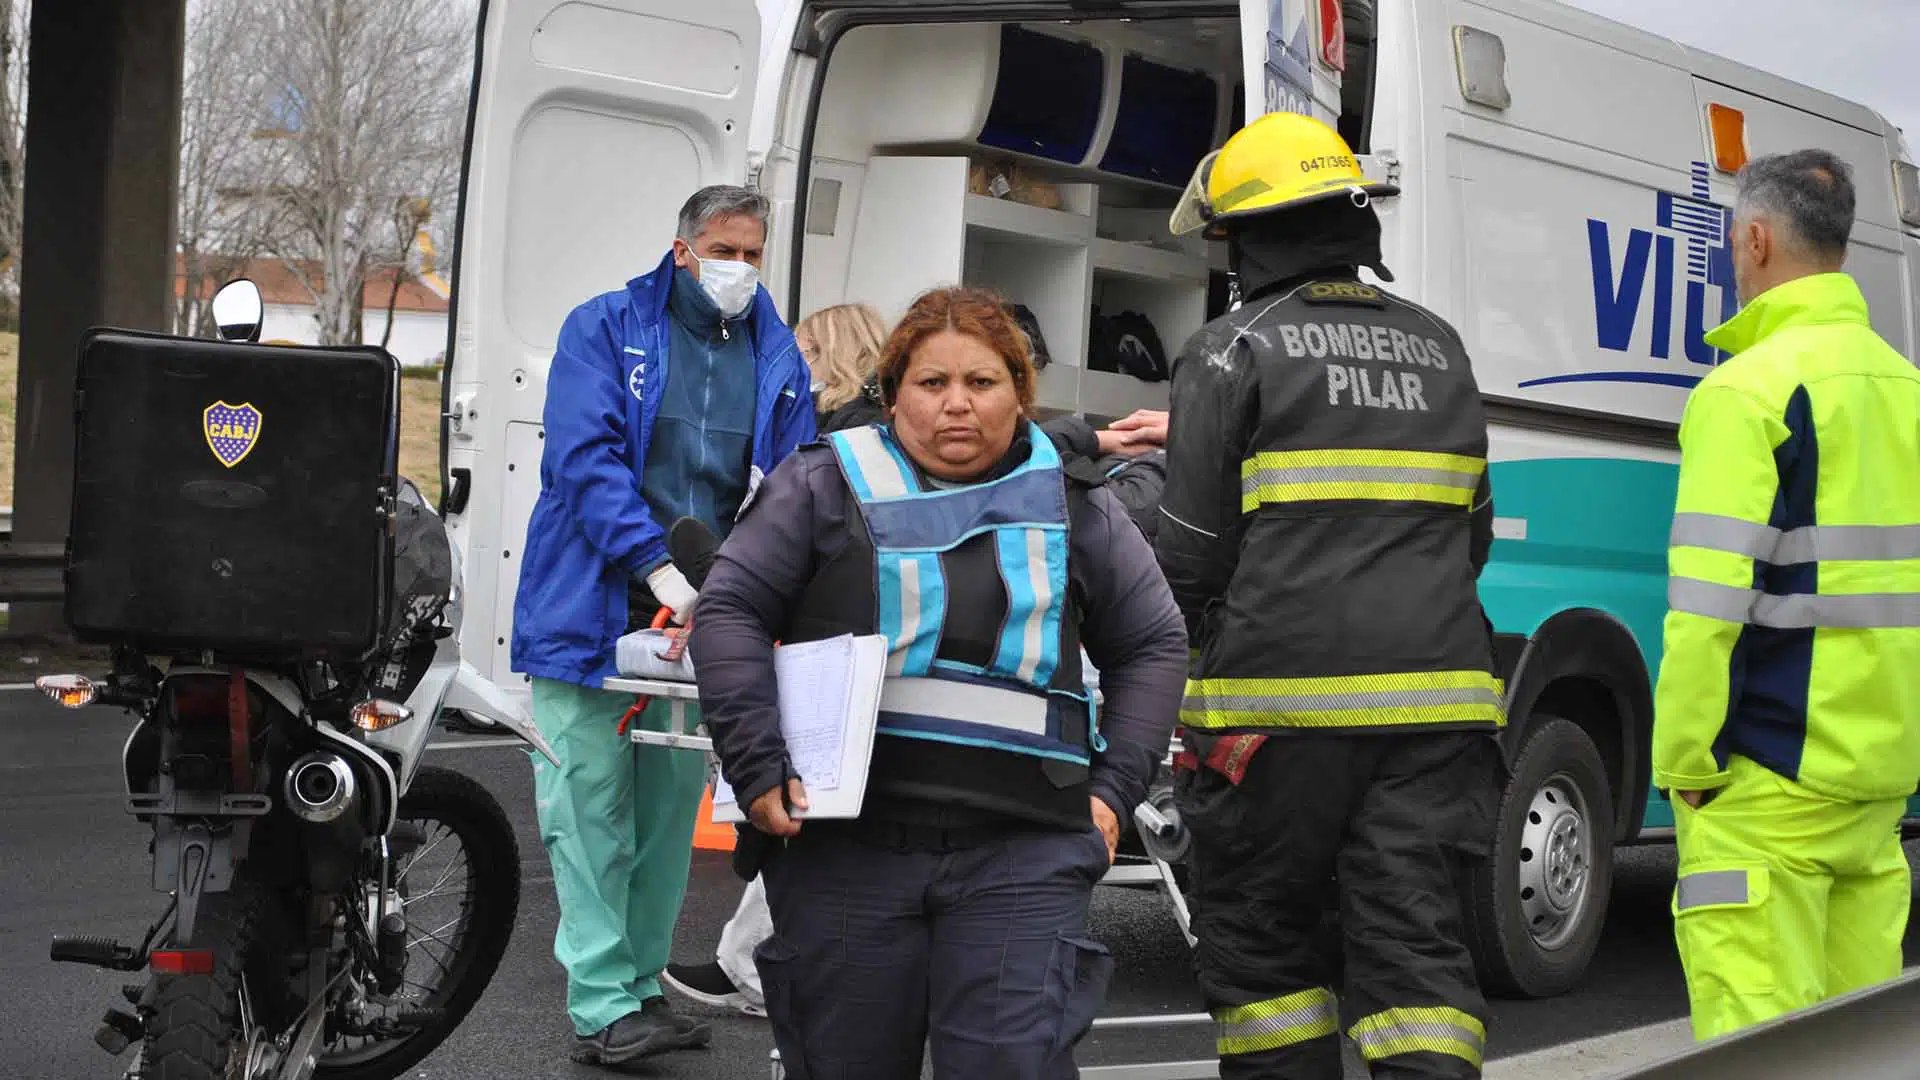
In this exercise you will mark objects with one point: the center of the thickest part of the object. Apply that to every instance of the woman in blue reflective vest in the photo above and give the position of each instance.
(953, 912)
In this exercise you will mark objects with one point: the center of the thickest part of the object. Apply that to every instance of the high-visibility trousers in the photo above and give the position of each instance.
(1785, 898)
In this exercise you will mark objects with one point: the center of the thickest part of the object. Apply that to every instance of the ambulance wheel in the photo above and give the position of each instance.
(1535, 909)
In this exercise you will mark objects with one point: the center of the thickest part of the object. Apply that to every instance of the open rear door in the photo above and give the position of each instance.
(592, 124)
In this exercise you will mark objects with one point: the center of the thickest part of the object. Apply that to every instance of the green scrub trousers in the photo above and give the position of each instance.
(1785, 898)
(617, 820)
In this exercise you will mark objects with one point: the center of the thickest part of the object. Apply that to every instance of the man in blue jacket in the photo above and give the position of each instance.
(670, 397)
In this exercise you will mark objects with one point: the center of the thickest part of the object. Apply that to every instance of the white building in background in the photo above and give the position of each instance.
(419, 311)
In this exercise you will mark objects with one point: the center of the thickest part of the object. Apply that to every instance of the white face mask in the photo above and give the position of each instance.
(729, 283)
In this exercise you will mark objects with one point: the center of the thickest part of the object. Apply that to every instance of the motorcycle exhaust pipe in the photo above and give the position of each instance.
(320, 787)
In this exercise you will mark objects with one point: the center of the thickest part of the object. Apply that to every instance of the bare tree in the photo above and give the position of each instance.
(14, 18)
(378, 93)
(233, 159)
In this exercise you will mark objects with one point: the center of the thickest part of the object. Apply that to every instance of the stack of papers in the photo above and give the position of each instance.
(829, 693)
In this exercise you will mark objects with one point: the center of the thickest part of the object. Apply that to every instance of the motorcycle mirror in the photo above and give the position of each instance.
(692, 546)
(238, 311)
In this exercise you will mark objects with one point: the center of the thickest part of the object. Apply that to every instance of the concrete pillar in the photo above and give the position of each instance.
(103, 150)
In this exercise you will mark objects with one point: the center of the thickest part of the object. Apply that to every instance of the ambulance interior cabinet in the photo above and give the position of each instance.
(918, 227)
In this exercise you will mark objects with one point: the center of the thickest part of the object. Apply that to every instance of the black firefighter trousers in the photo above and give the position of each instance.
(1381, 820)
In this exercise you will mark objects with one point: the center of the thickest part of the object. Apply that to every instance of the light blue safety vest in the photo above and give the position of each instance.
(1010, 704)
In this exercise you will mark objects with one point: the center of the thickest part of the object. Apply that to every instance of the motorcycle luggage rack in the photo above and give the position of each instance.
(199, 804)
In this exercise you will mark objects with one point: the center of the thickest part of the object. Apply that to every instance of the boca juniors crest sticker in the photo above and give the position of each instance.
(231, 431)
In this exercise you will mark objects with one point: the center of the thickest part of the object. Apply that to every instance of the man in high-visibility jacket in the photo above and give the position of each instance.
(1787, 729)
(1326, 515)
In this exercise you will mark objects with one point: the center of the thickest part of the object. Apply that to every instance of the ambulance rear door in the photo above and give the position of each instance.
(591, 125)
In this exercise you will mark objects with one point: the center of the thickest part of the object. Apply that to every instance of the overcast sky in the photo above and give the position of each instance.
(1865, 50)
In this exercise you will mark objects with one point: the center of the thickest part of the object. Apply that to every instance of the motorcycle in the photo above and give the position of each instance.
(336, 907)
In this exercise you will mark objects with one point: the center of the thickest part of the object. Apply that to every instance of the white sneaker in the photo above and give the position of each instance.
(708, 984)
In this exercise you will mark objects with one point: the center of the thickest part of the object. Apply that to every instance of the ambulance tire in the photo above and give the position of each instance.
(1535, 908)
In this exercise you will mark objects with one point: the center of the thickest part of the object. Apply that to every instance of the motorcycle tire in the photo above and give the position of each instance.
(194, 1029)
(471, 812)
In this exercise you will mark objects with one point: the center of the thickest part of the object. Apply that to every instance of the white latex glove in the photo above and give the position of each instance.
(670, 587)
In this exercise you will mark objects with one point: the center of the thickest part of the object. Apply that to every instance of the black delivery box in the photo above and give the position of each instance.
(231, 497)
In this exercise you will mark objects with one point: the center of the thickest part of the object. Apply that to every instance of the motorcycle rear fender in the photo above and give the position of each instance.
(407, 742)
(138, 769)
(190, 859)
(475, 693)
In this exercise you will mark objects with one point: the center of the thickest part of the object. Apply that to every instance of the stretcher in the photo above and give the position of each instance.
(1156, 822)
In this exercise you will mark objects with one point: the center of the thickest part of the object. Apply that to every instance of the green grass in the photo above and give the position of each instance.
(420, 432)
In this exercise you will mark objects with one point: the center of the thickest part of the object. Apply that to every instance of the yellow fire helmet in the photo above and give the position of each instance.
(1279, 161)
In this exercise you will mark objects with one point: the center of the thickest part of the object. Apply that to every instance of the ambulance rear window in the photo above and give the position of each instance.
(1047, 100)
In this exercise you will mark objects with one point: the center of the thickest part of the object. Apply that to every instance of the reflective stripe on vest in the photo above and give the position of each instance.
(1434, 1029)
(1277, 1023)
(1026, 511)
(950, 706)
(1381, 475)
(1809, 544)
(1403, 699)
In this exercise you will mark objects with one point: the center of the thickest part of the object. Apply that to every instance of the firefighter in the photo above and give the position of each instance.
(1327, 512)
(1787, 715)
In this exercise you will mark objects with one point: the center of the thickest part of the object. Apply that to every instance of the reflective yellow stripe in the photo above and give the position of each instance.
(1427, 1030)
(1376, 475)
(1395, 699)
(1270, 1025)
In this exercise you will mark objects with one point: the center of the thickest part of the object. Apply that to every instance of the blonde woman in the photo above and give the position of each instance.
(842, 346)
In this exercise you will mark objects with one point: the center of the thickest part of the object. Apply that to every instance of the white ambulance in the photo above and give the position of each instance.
(1565, 182)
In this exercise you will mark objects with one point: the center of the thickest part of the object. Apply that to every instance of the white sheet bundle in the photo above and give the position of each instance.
(638, 656)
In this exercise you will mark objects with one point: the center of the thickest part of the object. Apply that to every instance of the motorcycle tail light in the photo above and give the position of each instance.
(378, 714)
(181, 961)
(200, 699)
(70, 691)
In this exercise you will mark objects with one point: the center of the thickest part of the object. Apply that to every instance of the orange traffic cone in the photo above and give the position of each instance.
(709, 835)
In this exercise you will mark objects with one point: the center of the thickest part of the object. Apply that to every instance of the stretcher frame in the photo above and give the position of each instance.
(1155, 873)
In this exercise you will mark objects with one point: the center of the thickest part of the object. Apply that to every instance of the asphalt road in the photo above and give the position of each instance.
(71, 861)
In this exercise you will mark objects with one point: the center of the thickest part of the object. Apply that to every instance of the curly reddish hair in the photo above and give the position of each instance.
(977, 313)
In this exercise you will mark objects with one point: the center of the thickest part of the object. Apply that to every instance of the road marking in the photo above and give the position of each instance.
(1603, 1055)
(17, 686)
(475, 744)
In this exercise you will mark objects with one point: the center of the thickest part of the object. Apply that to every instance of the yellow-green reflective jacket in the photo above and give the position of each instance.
(1793, 637)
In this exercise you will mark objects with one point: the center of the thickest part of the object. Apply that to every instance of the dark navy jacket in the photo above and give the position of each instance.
(804, 514)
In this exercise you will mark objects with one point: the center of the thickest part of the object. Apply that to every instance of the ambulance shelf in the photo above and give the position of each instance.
(1149, 263)
(1024, 222)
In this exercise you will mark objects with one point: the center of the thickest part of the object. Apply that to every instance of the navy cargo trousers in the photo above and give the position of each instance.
(886, 946)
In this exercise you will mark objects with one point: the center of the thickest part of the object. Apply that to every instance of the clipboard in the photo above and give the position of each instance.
(829, 694)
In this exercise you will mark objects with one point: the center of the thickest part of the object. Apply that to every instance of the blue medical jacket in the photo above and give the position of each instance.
(591, 531)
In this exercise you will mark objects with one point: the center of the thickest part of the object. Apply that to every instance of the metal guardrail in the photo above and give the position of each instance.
(30, 572)
(1867, 1035)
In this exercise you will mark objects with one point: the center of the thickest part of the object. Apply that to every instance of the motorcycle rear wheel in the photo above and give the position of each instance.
(455, 805)
(195, 1029)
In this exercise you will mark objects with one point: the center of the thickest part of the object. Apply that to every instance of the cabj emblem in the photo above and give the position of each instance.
(231, 430)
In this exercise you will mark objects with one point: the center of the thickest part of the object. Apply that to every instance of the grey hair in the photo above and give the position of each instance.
(1808, 191)
(721, 201)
